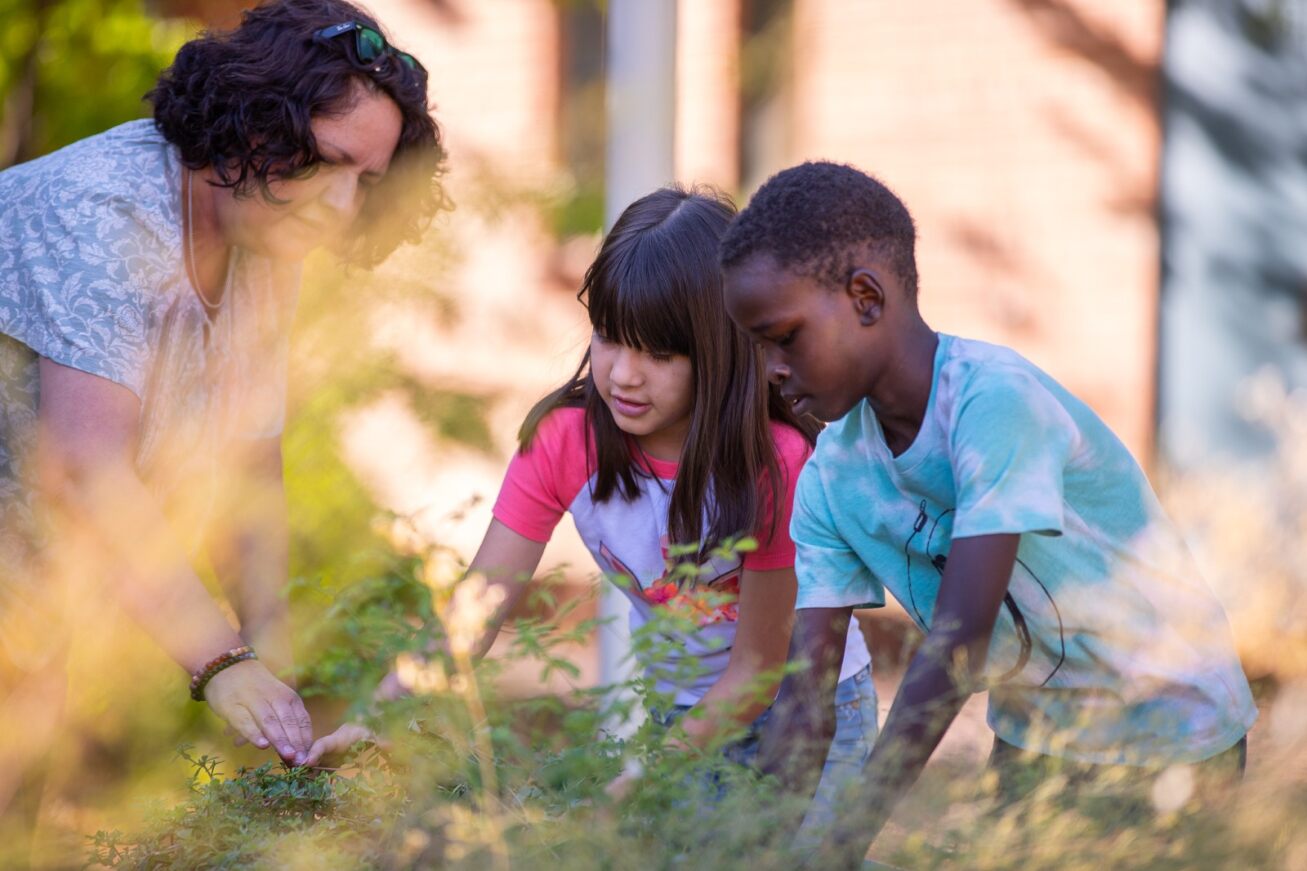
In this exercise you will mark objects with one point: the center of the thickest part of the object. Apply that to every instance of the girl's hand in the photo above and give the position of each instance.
(390, 688)
(339, 741)
(262, 709)
(621, 785)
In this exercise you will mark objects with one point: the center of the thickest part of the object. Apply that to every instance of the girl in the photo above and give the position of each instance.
(667, 435)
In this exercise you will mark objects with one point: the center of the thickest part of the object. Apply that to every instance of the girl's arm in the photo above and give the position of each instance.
(762, 640)
(508, 560)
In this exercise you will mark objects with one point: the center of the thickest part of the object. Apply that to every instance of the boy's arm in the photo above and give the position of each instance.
(941, 676)
(797, 736)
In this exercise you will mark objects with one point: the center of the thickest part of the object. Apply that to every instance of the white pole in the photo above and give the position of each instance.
(641, 101)
(641, 104)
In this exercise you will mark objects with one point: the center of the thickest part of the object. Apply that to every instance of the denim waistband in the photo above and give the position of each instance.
(845, 691)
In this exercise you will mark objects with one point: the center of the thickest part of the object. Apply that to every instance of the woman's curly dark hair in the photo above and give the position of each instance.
(241, 102)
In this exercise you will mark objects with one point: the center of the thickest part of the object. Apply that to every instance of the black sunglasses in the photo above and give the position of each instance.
(370, 47)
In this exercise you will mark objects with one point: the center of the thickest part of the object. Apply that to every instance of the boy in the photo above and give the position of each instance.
(1005, 517)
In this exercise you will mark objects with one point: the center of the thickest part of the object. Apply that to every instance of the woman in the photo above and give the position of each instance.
(147, 282)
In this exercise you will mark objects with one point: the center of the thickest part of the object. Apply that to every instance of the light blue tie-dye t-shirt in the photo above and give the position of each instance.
(1110, 647)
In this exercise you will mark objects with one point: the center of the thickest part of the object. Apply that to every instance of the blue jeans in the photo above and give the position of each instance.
(856, 727)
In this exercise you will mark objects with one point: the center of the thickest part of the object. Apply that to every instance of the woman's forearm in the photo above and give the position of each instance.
(104, 510)
(109, 528)
(251, 553)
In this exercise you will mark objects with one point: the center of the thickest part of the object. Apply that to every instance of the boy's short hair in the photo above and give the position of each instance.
(810, 218)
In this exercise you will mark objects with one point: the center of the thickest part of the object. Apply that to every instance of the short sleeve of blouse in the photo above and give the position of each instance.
(78, 269)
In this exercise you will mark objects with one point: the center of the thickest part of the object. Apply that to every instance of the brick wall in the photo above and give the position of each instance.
(1023, 135)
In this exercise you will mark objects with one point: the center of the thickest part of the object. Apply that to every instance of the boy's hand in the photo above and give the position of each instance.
(339, 741)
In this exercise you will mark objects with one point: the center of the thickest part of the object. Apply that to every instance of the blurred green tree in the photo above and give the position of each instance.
(72, 68)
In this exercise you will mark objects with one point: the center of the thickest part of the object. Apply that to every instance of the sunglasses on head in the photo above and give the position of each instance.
(370, 47)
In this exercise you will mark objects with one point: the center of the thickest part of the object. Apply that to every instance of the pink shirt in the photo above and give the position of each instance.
(629, 538)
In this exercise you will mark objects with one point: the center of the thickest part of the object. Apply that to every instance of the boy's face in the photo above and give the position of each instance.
(812, 336)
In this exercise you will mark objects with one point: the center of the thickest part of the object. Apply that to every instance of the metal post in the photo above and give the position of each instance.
(641, 104)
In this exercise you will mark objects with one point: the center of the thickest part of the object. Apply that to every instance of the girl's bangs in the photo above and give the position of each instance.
(642, 311)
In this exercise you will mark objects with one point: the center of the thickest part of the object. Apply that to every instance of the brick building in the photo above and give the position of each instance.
(1022, 133)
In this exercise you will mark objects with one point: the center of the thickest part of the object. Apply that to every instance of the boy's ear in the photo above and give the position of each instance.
(867, 295)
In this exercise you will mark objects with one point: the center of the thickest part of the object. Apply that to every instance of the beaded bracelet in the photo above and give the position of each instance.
(201, 678)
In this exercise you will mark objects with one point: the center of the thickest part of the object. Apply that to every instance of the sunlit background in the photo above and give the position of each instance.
(1115, 188)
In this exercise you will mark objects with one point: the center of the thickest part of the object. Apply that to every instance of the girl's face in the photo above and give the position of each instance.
(651, 396)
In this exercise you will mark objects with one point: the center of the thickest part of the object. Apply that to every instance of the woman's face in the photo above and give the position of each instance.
(651, 396)
(316, 210)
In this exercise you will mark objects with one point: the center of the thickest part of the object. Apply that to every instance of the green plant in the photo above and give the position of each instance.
(470, 777)
(262, 816)
(72, 69)
(474, 779)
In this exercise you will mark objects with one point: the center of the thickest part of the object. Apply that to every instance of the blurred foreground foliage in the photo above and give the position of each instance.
(473, 779)
(469, 778)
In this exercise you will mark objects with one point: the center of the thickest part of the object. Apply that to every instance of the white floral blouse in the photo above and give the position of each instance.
(92, 277)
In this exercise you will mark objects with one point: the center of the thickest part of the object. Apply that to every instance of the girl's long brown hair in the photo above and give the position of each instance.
(656, 286)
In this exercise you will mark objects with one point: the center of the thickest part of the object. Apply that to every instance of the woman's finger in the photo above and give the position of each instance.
(299, 728)
(303, 721)
(275, 730)
(237, 739)
(246, 729)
